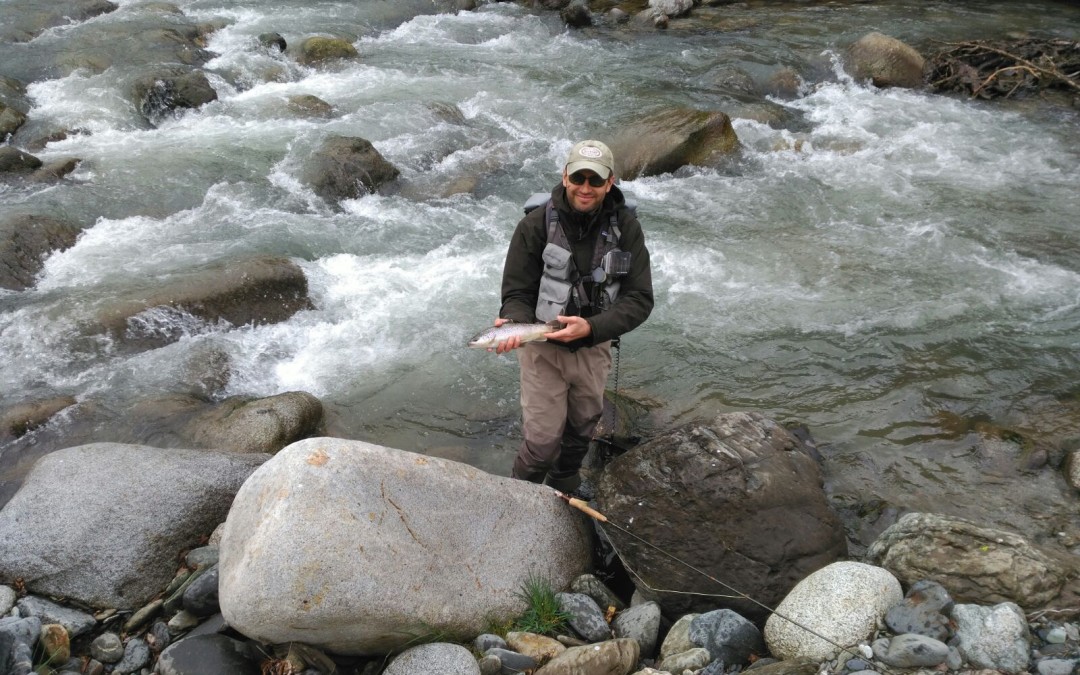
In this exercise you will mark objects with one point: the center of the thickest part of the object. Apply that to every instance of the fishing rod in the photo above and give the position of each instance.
(582, 506)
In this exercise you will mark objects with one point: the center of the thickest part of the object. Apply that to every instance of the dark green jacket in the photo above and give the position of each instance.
(524, 266)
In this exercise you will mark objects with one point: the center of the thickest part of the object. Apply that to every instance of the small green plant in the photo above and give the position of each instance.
(497, 626)
(543, 615)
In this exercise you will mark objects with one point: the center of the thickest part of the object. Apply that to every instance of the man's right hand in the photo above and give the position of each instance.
(508, 344)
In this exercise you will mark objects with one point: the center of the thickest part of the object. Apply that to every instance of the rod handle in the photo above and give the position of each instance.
(584, 507)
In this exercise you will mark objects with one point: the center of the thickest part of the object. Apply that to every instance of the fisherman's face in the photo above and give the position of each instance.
(585, 197)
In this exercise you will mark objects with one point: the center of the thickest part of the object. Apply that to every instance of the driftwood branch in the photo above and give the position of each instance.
(1051, 72)
(983, 69)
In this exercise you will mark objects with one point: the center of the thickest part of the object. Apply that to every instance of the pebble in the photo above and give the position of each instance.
(136, 655)
(107, 648)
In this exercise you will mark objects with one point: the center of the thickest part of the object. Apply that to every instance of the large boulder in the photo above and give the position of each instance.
(671, 8)
(15, 161)
(974, 564)
(257, 291)
(103, 523)
(10, 121)
(169, 89)
(25, 242)
(885, 61)
(833, 608)
(740, 498)
(669, 139)
(317, 49)
(347, 168)
(244, 424)
(235, 424)
(25, 19)
(362, 549)
(29, 415)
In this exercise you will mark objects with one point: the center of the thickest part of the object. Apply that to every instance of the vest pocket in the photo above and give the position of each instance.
(556, 262)
(553, 298)
(555, 287)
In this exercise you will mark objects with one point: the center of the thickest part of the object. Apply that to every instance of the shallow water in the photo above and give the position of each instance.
(891, 268)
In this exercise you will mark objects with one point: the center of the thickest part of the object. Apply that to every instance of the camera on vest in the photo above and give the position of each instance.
(614, 264)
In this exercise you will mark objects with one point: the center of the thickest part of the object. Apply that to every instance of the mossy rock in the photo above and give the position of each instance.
(319, 49)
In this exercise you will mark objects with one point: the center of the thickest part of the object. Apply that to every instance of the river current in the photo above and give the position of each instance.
(896, 269)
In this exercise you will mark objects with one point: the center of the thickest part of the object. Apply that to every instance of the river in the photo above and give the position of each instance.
(896, 269)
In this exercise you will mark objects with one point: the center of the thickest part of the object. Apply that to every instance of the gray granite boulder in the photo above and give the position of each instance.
(103, 523)
(839, 604)
(995, 638)
(436, 657)
(361, 549)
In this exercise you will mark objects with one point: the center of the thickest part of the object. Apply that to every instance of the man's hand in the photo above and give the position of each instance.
(574, 328)
(507, 344)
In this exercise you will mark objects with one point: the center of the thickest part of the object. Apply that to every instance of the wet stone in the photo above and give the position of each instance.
(136, 655)
(586, 617)
(486, 641)
(512, 661)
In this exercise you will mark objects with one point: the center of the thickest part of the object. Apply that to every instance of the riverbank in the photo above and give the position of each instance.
(290, 581)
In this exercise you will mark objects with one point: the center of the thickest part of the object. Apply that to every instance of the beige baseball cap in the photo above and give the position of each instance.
(591, 155)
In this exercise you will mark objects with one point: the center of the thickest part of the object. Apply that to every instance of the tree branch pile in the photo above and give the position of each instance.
(1003, 69)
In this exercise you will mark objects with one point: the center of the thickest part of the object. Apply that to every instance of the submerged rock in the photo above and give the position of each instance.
(255, 291)
(244, 424)
(667, 140)
(169, 89)
(25, 242)
(886, 61)
(25, 417)
(347, 168)
(318, 49)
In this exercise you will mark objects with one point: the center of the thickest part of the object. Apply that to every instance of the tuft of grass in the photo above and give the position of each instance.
(543, 615)
(500, 627)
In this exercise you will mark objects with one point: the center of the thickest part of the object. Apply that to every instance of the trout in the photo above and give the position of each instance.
(490, 338)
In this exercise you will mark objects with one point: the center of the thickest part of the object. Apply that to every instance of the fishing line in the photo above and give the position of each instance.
(582, 506)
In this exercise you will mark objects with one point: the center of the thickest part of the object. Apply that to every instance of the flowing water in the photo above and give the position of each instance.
(889, 267)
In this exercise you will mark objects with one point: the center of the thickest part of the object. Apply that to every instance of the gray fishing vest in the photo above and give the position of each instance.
(561, 280)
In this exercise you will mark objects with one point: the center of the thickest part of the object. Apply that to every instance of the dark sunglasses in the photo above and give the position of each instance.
(578, 178)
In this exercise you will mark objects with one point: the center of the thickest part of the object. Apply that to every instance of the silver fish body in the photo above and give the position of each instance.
(489, 338)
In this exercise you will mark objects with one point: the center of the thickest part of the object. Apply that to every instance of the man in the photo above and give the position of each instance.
(580, 260)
